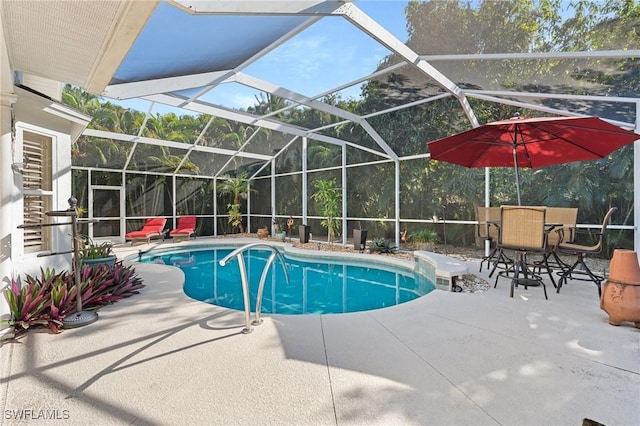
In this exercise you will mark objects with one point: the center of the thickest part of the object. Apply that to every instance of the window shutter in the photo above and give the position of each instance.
(37, 184)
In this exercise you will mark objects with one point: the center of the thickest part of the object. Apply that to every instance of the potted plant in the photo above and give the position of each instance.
(263, 232)
(276, 226)
(425, 239)
(278, 230)
(238, 187)
(93, 254)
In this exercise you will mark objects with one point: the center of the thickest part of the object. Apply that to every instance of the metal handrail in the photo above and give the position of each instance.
(245, 282)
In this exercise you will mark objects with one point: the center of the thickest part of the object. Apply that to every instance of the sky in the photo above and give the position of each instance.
(328, 54)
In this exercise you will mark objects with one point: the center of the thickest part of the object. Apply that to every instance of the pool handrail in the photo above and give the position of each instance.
(245, 282)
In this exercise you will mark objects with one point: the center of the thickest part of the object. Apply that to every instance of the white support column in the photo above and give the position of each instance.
(636, 184)
(397, 202)
(90, 214)
(273, 193)
(248, 228)
(175, 211)
(215, 207)
(123, 205)
(487, 203)
(304, 181)
(344, 194)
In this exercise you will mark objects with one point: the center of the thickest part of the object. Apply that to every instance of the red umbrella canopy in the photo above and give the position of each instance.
(538, 142)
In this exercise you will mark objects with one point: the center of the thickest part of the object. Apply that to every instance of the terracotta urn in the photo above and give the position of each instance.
(263, 232)
(621, 292)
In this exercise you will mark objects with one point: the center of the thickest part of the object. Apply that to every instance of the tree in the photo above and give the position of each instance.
(238, 187)
(329, 196)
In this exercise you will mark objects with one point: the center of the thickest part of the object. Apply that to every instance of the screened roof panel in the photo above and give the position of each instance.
(207, 163)
(355, 133)
(101, 152)
(333, 71)
(396, 86)
(319, 115)
(313, 80)
(321, 155)
(174, 124)
(355, 156)
(408, 133)
(236, 165)
(550, 74)
(289, 159)
(621, 110)
(226, 134)
(230, 94)
(177, 43)
(320, 58)
(267, 142)
(158, 158)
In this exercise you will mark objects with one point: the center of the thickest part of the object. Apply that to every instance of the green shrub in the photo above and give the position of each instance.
(424, 236)
(380, 245)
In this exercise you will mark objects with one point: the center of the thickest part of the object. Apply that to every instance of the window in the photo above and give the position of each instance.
(37, 190)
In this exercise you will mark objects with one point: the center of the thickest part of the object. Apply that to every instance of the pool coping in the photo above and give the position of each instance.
(447, 269)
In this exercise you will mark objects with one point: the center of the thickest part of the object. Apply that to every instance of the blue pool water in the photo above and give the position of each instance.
(315, 287)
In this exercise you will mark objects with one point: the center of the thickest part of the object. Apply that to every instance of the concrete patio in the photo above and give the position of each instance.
(444, 359)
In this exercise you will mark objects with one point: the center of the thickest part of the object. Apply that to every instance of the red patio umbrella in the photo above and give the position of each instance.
(532, 142)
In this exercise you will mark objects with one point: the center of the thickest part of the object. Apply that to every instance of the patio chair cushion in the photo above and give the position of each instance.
(152, 227)
(186, 226)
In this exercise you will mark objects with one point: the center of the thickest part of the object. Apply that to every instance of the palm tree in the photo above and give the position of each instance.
(238, 187)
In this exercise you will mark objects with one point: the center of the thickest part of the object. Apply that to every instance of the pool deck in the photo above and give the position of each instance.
(444, 359)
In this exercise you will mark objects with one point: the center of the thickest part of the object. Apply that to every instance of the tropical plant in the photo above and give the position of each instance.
(92, 250)
(235, 216)
(238, 187)
(30, 303)
(382, 246)
(424, 236)
(329, 195)
(46, 299)
(102, 286)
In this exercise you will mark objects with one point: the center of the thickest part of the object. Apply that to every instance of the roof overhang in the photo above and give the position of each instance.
(76, 42)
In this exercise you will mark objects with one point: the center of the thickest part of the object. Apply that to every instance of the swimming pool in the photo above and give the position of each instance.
(317, 286)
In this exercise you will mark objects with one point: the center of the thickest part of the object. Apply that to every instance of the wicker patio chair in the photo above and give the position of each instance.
(487, 230)
(522, 229)
(564, 219)
(579, 270)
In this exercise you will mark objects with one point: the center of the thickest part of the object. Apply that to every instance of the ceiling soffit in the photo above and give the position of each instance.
(76, 42)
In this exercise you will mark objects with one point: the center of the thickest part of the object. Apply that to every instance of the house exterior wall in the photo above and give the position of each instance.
(23, 111)
(8, 191)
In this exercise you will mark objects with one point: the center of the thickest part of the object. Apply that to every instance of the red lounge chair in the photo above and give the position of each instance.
(152, 228)
(185, 228)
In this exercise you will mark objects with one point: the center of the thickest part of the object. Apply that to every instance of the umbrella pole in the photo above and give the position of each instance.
(515, 166)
